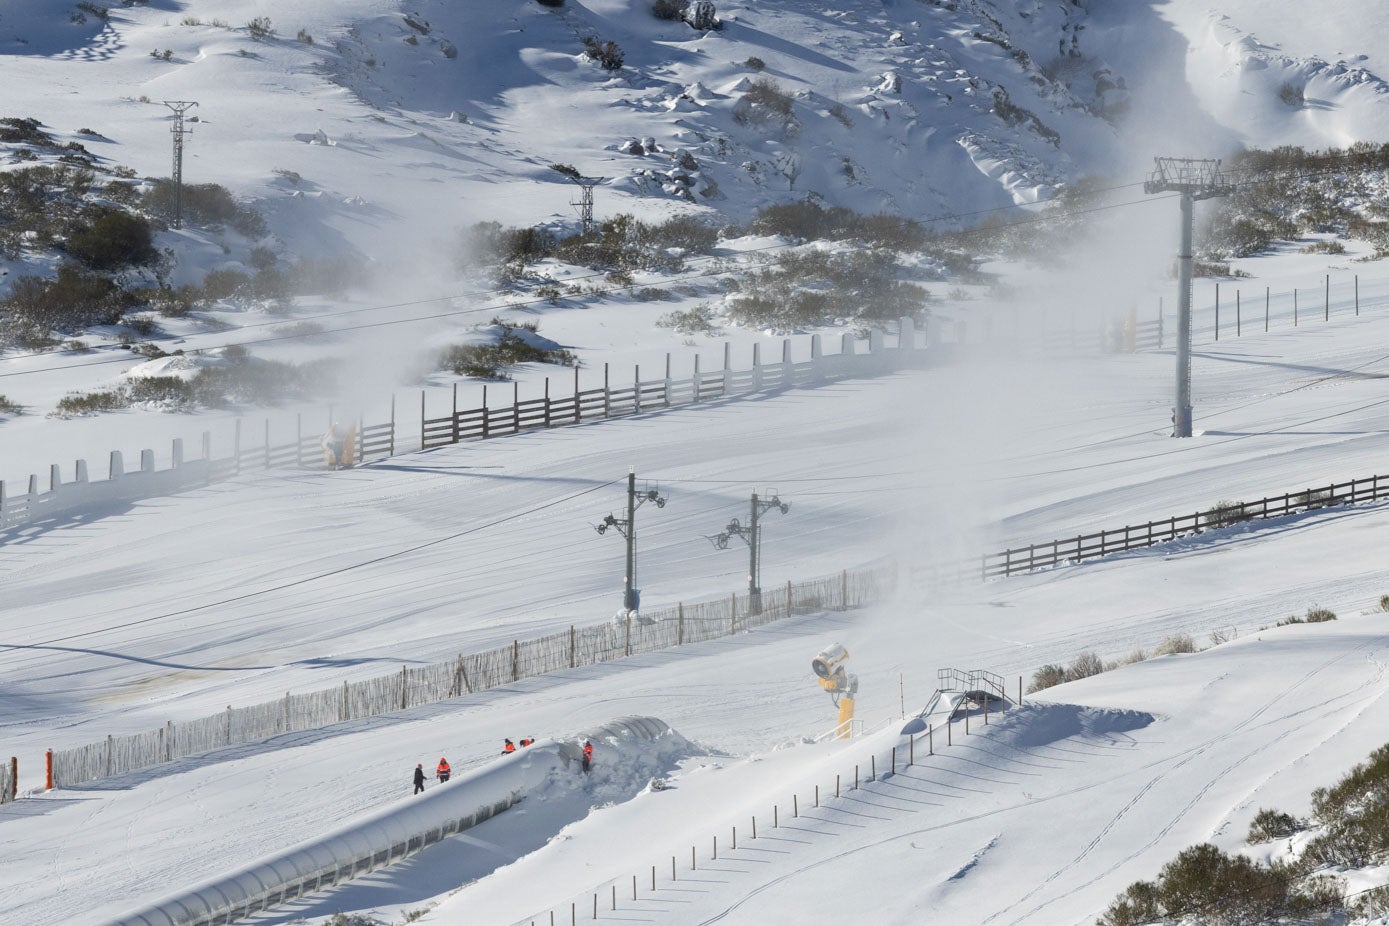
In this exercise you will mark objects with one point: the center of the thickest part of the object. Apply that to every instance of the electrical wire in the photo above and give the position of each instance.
(316, 577)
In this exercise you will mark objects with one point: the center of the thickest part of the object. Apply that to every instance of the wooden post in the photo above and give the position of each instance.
(455, 413)
(817, 795)
(1357, 295)
(873, 770)
(788, 597)
(1217, 311)
(515, 660)
(680, 623)
(795, 806)
(422, 419)
(607, 394)
(1294, 306)
(486, 415)
(735, 839)
(754, 827)
(930, 740)
(836, 785)
(627, 645)
(48, 770)
(392, 424)
(1266, 308)
(547, 409)
(577, 418)
(571, 646)
(636, 388)
(516, 407)
(894, 760)
(1326, 315)
(1237, 314)
(776, 819)
(14, 777)
(404, 688)
(1019, 690)
(732, 613)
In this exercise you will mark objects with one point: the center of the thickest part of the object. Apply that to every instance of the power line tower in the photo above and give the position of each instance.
(178, 130)
(584, 204)
(752, 536)
(1194, 179)
(627, 527)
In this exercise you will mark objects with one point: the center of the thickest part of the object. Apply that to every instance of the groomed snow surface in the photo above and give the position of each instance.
(173, 608)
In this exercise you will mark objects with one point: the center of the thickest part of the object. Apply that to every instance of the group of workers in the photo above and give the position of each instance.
(442, 771)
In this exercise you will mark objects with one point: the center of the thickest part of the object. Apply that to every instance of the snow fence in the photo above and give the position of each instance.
(405, 828)
(645, 632)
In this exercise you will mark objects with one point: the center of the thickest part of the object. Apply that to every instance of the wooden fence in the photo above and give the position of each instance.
(1133, 537)
(256, 447)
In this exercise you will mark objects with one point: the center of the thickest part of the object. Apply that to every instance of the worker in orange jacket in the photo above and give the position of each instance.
(442, 772)
(509, 747)
(527, 741)
(588, 755)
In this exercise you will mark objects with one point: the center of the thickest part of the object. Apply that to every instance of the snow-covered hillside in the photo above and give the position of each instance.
(372, 131)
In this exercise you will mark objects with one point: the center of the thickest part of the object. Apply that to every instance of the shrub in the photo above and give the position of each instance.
(490, 361)
(224, 284)
(669, 9)
(764, 97)
(113, 239)
(91, 402)
(1318, 615)
(1225, 514)
(1384, 602)
(304, 37)
(607, 53)
(204, 204)
(1354, 814)
(8, 407)
(24, 132)
(1215, 888)
(1292, 95)
(1269, 825)
(260, 28)
(1177, 643)
(100, 12)
(699, 320)
(816, 287)
(755, 63)
(1046, 677)
(74, 300)
(1324, 247)
(1084, 666)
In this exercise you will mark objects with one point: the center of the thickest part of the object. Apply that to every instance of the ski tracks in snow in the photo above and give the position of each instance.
(1332, 708)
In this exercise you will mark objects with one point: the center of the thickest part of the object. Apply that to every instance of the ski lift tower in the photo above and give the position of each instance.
(1194, 179)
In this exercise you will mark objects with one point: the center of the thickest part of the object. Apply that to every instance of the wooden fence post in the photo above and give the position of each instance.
(636, 388)
(577, 416)
(680, 623)
(571, 646)
(393, 424)
(422, 420)
(455, 413)
(607, 394)
(547, 401)
(788, 597)
(404, 688)
(627, 641)
(486, 416)
(732, 613)
(515, 660)
(516, 407)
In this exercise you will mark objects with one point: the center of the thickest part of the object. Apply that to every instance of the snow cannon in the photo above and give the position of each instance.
(839, 682)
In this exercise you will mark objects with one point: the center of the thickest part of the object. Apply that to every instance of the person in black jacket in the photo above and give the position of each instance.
(419, 778)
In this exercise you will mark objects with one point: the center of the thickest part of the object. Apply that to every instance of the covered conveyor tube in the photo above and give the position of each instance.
(386, 836)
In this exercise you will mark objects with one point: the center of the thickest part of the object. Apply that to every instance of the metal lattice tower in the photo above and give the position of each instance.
(585, 203)
(1194, 179)
(178, 130)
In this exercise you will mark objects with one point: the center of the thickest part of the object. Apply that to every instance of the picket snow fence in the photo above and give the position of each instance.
(644, 632)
